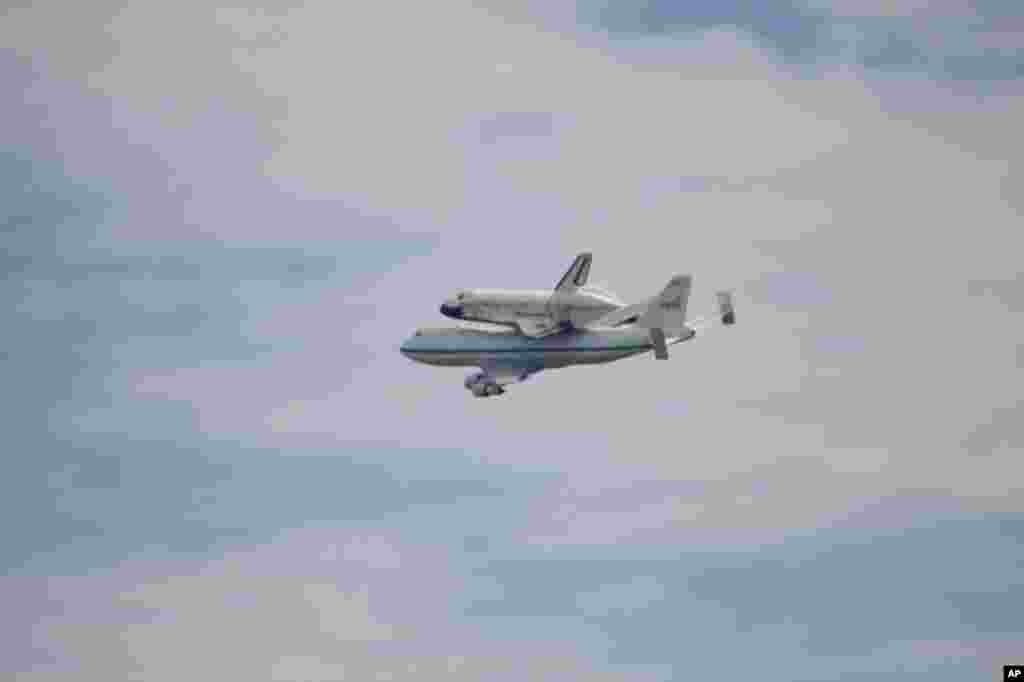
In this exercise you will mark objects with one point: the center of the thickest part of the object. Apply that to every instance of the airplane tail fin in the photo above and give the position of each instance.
(666, 312)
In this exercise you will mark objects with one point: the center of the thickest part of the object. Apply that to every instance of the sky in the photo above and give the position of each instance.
(219, 224)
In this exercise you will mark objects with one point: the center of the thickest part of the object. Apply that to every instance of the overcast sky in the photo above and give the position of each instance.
(221, 223)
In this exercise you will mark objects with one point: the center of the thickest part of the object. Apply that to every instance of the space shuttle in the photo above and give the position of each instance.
(572, 304)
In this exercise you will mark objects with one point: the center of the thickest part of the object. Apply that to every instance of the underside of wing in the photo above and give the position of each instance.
(504, 375)
(494, 377)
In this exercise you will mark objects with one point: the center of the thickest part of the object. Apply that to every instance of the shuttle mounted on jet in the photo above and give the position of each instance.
(530, 331)
(571, 304)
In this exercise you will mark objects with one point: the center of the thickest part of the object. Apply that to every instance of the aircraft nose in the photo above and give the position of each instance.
(449, 310)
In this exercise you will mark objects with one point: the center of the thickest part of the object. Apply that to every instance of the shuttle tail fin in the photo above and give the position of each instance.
(577, 274)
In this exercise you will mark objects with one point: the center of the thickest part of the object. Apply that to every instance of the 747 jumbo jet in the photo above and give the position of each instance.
(530, 331)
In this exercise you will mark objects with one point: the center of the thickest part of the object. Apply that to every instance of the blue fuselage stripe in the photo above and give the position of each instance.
(609, 349)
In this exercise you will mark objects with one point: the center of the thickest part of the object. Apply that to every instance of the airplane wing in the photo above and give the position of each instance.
(577, 274)
(504, 374)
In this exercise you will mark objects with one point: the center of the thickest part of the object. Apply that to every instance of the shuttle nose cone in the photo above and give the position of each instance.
(449, 310)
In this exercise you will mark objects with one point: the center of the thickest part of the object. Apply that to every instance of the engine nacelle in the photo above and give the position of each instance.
(483, 388)
(725, 307)
(473, 379)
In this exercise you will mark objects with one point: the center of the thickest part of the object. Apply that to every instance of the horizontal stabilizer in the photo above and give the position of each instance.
(658, 341)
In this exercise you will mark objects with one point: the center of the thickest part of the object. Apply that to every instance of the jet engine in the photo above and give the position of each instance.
(483, 389)
(725, 307)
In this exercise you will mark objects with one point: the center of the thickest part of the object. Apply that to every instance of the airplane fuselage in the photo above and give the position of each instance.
(463, 347)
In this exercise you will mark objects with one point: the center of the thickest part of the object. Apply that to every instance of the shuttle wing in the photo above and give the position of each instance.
(537, 327)
(625, 315)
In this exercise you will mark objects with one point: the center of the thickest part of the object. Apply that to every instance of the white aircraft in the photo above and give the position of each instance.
(571, 304)
(506, 355)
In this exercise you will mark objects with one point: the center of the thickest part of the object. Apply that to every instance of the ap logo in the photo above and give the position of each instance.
(1013, 672)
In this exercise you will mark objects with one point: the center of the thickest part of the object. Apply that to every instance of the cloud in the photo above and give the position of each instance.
(902, 8)
(316, 605)
(854, 599)
(955, 41)
(788, 26)
(839, 177)
(99, 334)
(316, 179)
